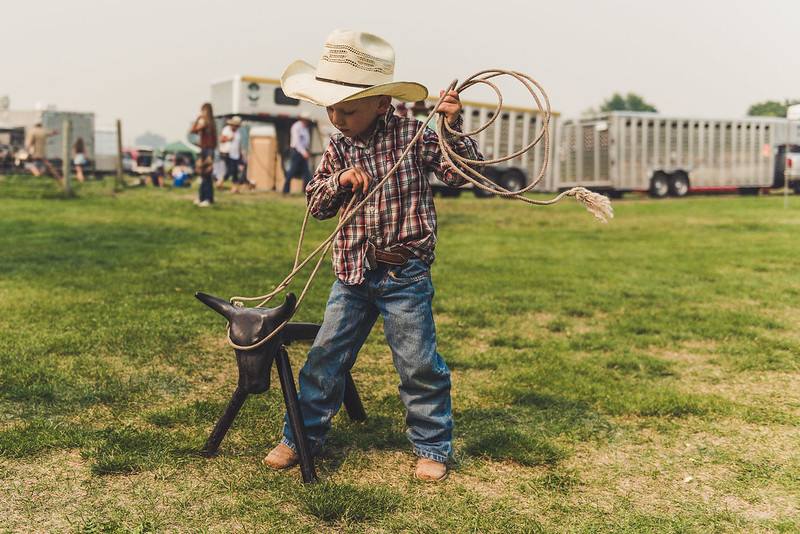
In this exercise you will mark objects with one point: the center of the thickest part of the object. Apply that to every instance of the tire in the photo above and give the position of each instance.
(659, 185)
(513, 179)
(679, 184)
(749, 191)
(449, 192)
(796, 188)
(491, 174)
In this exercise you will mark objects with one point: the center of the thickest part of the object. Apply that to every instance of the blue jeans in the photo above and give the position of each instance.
(232, 170)
(298, 166)
(403, 296)
(206, 191)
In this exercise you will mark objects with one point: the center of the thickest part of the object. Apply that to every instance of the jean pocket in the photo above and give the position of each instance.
(412, 271)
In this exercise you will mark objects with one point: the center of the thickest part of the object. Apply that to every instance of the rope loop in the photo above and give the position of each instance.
(598, 205)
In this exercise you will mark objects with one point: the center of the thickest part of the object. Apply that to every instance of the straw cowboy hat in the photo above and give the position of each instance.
(353, 65)
(236, 120)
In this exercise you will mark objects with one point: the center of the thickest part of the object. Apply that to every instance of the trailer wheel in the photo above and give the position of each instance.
(513, 180)
(449, 192)
(748, 191)
(679, 184)
(659, 185)
(491, 174)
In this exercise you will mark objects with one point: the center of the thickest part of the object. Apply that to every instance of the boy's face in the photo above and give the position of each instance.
(355, 118)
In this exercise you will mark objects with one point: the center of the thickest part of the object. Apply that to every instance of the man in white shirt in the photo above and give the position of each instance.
(230, 143)
(299, 141)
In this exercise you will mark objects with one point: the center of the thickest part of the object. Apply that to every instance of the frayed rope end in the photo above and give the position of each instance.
(597, 204)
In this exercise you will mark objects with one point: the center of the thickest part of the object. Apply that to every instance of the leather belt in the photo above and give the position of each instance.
(396, 256)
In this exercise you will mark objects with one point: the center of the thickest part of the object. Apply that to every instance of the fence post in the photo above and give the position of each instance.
(119, 183)
(66, 153)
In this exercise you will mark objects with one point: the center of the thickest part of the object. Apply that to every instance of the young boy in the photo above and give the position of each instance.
(382, 257)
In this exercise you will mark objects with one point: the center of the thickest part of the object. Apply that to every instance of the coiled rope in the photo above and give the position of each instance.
(598, 205)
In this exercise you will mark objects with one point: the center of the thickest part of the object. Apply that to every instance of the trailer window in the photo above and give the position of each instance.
(282, 99)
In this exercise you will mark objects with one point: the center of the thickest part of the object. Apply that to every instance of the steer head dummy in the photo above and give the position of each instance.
(248, 326)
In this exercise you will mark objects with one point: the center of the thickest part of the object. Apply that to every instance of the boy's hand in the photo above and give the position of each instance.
(355, 179)
(450, 107)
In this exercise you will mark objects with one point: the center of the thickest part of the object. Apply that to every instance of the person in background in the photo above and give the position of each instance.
(79, 158)
(299, 141)
(420, 112)
(224, 147)
(205, 126)
(231, 140)
(37, 148)
(157, 176)
(180, 173)
(401, 109)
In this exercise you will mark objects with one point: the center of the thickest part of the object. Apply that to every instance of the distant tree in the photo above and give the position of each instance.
(631, 102)
(771, 108)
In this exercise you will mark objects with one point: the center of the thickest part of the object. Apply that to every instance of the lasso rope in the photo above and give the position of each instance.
(598, 205)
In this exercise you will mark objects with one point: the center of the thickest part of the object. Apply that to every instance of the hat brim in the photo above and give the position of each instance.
(299, 81)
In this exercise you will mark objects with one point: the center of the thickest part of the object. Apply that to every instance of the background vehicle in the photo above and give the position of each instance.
(646, 152)
(787, 167)
(11, 141)
(268, 113)
(146, 161)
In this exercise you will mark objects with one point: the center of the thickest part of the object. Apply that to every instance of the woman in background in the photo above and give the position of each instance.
(79, 158)
(206, 128)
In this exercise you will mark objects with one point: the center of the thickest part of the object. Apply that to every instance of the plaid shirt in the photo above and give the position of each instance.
(402, 211)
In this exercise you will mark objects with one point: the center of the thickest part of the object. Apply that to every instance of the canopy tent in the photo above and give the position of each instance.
(179, 147)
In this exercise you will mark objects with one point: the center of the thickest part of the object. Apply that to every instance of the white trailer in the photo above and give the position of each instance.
(260, 101)
(105, 150)
(624, 151)
(264, 108)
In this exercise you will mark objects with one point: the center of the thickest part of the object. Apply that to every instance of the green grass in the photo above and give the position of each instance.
(640, 376)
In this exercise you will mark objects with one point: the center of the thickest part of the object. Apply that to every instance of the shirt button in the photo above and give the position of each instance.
(373, 238)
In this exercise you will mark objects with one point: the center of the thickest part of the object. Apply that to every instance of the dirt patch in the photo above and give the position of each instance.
(660, 473)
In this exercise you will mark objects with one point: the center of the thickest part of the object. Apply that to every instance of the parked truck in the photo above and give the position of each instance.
(662, 155)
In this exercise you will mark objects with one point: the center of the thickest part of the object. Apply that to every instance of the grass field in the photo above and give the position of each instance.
(640, 376)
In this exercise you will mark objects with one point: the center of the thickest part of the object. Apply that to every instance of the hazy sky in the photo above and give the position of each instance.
(150, 63)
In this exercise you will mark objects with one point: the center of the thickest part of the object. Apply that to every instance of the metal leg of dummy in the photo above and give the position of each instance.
(352, 402)
(224, 423)
(295, 416)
